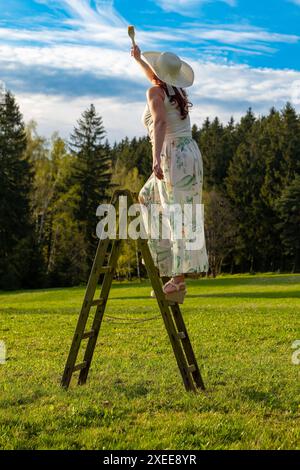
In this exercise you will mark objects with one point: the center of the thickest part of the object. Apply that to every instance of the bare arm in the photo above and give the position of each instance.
(136, 53)
(155, 98)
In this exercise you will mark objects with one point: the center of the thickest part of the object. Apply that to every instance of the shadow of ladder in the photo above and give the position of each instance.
(170, 312)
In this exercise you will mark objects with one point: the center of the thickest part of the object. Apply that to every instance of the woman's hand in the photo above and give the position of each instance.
(136, 52)
(156, 167)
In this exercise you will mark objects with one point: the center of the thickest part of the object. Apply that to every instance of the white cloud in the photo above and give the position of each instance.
(105, 13)
(219, 90)
(229, 84)
(228, 36)
(187, 7)
(58, 113)
(98, 43)
(102, 62)
(247, 39)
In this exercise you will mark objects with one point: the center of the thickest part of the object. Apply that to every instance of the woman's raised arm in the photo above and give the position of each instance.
(136, 53)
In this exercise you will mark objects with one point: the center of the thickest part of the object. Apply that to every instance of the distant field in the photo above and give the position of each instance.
(242, 329)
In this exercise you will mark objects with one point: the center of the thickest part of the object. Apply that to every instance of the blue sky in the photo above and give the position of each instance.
(59, 56)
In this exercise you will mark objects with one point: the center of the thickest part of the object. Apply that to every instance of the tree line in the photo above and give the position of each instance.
(50, 189)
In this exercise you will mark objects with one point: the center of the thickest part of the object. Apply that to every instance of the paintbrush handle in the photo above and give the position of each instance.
(131, 33)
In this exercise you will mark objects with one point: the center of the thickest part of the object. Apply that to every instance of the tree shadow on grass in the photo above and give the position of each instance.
(269, 399)
(254, 295)
(251, 295)
(22, 400)
(247, 280)
(135, 390)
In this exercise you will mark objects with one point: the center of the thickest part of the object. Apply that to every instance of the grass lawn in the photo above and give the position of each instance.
(242, 329)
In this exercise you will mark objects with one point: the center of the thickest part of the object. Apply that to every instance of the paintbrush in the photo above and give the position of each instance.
(131, 34)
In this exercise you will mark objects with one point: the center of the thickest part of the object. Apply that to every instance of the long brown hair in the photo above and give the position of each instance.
(183, 104)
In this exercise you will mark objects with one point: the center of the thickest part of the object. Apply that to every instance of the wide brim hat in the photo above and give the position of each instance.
(169, 68)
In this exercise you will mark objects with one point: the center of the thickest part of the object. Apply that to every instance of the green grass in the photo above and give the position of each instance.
(241, 327)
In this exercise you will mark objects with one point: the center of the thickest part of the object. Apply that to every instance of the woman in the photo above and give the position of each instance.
(177, 166)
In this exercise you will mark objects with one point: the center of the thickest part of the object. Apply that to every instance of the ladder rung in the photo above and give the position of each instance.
(80, 366)
(88, 334)
(192, 368)
(97, 302)
(181, 335)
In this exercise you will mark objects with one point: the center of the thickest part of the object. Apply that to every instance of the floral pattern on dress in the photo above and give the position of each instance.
(182, 165)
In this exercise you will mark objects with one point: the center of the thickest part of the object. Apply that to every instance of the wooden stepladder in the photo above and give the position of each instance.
(171, 313)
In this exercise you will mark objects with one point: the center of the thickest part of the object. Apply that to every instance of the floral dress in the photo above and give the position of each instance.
(183, 250)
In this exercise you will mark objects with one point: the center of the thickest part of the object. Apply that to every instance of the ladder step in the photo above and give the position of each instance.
(88, 334)
(97, 302)
(80, 366)
(181, 335)
(192, 368)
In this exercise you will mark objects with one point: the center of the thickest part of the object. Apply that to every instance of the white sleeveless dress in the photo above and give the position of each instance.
(182, 166)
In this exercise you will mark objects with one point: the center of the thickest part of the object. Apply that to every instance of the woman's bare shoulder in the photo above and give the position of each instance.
(155, 91)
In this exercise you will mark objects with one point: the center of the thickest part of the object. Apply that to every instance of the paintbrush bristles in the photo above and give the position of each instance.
(131, 33)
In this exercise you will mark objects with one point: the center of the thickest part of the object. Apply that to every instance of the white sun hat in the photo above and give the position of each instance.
(170, 68)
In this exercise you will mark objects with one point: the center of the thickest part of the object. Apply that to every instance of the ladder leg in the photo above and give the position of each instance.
(186, 343)
(167, 317)
(97, 268)
(85, 310)
(187, 346)
(106, 285)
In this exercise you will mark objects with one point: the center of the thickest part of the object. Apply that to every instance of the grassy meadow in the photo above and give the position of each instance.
(241, 327)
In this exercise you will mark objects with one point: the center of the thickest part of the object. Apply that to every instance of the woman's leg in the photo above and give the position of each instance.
(160, 248)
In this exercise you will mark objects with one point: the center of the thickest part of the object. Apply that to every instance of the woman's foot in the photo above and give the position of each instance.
(174, 290)
(175, 284)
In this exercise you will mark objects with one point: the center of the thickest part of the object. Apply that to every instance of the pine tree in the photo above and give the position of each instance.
(243, 186)
(245, 125)
(288, 207)
(221, 230)
(269, 142)
(229, 147)
(195, 132)
(215, 144)
(64, 245)
(142, 157)
(290, 145)
(91, 172)
(16, 230)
